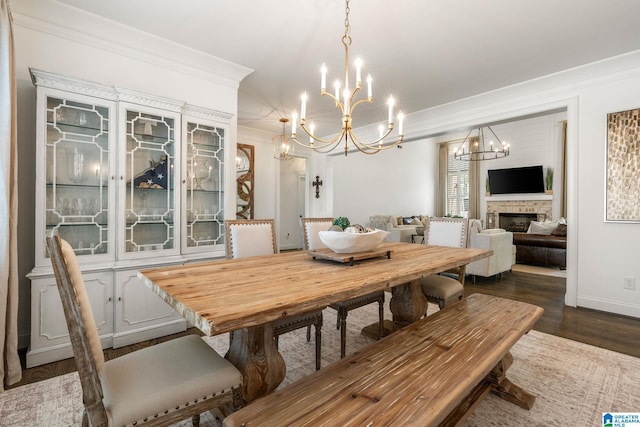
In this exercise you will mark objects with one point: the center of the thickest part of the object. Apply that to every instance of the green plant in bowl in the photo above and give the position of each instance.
(342, 222)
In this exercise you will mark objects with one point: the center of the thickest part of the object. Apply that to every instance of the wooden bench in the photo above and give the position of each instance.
(432, 372)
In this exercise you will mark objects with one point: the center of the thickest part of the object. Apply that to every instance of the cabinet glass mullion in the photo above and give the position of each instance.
(76, 171)
(205, 185)
(149, 202)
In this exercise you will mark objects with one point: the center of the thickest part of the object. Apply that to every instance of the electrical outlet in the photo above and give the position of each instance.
(629, 283)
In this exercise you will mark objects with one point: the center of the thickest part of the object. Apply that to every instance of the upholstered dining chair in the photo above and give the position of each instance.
(157, 385)
(245, 238)
(441, 288)
(311, 228)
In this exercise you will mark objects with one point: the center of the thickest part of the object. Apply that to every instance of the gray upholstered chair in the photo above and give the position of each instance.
(246, 238)
(441, 288)
(157, 385)
(310, 229)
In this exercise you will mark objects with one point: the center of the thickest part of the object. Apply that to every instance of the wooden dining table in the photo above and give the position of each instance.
(243, 296)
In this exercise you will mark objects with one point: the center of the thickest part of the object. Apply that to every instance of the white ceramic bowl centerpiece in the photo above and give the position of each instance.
(352, 240)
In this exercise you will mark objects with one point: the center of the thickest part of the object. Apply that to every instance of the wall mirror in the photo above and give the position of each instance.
(244, 178)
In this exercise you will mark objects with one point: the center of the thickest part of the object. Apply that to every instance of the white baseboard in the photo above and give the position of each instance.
(632, 310)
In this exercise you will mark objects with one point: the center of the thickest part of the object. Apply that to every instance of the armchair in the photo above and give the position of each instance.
(498, 240)
(157, 385)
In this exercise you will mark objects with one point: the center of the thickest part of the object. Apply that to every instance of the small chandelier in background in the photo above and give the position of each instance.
(475, 148)
(344, 99)
(282, 148)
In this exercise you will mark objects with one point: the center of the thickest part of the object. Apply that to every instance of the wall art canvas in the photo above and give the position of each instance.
(623, 166)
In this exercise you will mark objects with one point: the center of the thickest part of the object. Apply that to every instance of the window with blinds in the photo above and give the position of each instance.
(457, 185)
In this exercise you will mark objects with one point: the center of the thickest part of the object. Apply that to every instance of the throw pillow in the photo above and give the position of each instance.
(416, 221)
(544, 227)
(560, 230)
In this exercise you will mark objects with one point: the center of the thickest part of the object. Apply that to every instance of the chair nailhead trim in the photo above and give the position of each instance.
(184, 405)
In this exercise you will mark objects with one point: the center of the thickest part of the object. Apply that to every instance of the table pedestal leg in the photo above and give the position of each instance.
(254, 353)
(407, 304)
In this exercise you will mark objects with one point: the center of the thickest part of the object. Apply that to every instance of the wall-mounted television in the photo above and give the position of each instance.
(527, 179)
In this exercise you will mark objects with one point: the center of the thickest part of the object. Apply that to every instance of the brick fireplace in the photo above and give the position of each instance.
(517, 214)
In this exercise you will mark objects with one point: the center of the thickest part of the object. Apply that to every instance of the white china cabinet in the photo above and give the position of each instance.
(131, 181)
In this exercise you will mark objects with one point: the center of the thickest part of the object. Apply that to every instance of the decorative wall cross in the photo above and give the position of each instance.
(317, 183)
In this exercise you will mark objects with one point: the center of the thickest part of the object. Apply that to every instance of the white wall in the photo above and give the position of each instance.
(608, 252)
(392, 182)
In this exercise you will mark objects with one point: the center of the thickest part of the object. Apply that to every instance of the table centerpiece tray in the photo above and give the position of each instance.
(349, 258)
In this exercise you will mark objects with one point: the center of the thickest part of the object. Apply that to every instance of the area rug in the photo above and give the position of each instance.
(574, 382)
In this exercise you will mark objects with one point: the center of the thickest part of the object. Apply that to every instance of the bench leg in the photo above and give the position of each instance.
(497, 382)
(507, 390)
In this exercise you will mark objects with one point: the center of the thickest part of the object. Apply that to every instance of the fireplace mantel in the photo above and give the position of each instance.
(539, 204)
(514, 197)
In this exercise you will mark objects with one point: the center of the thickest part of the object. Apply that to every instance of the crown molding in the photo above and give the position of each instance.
(84, 87)
(63, 21)
(207, 114)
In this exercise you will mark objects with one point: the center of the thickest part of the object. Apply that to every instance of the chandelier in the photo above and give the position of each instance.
(474, 148)
(282, 148)
(345, 100)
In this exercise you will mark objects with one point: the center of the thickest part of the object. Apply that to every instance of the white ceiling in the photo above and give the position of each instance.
(424, 52)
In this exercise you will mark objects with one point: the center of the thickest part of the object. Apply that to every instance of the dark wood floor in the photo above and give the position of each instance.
(597, 328)
(606, 330)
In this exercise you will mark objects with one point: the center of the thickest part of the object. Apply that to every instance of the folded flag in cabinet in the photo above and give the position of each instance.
(155, 177)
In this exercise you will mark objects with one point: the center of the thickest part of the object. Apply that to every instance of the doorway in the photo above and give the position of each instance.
(292, 205)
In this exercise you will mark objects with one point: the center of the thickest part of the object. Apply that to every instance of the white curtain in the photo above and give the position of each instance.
(441, 194)
(10, 370)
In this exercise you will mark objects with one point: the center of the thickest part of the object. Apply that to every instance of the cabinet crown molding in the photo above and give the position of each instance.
(115, 93)
(70, 84)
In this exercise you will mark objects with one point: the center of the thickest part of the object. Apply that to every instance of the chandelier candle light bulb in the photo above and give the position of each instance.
(359, 72)
(303, 108)
(346, 100)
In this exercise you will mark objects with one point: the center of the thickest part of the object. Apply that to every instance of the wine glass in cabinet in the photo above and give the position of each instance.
(76, 190)
(204, 148)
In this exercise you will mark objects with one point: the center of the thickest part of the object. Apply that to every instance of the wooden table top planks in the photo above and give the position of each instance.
(225, 295)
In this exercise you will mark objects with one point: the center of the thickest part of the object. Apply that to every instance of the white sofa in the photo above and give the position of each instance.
(496, 239)
(398, 233)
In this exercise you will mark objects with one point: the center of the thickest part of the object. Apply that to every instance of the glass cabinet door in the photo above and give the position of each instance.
(148, 199)
(204, 204)
(77, 139)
